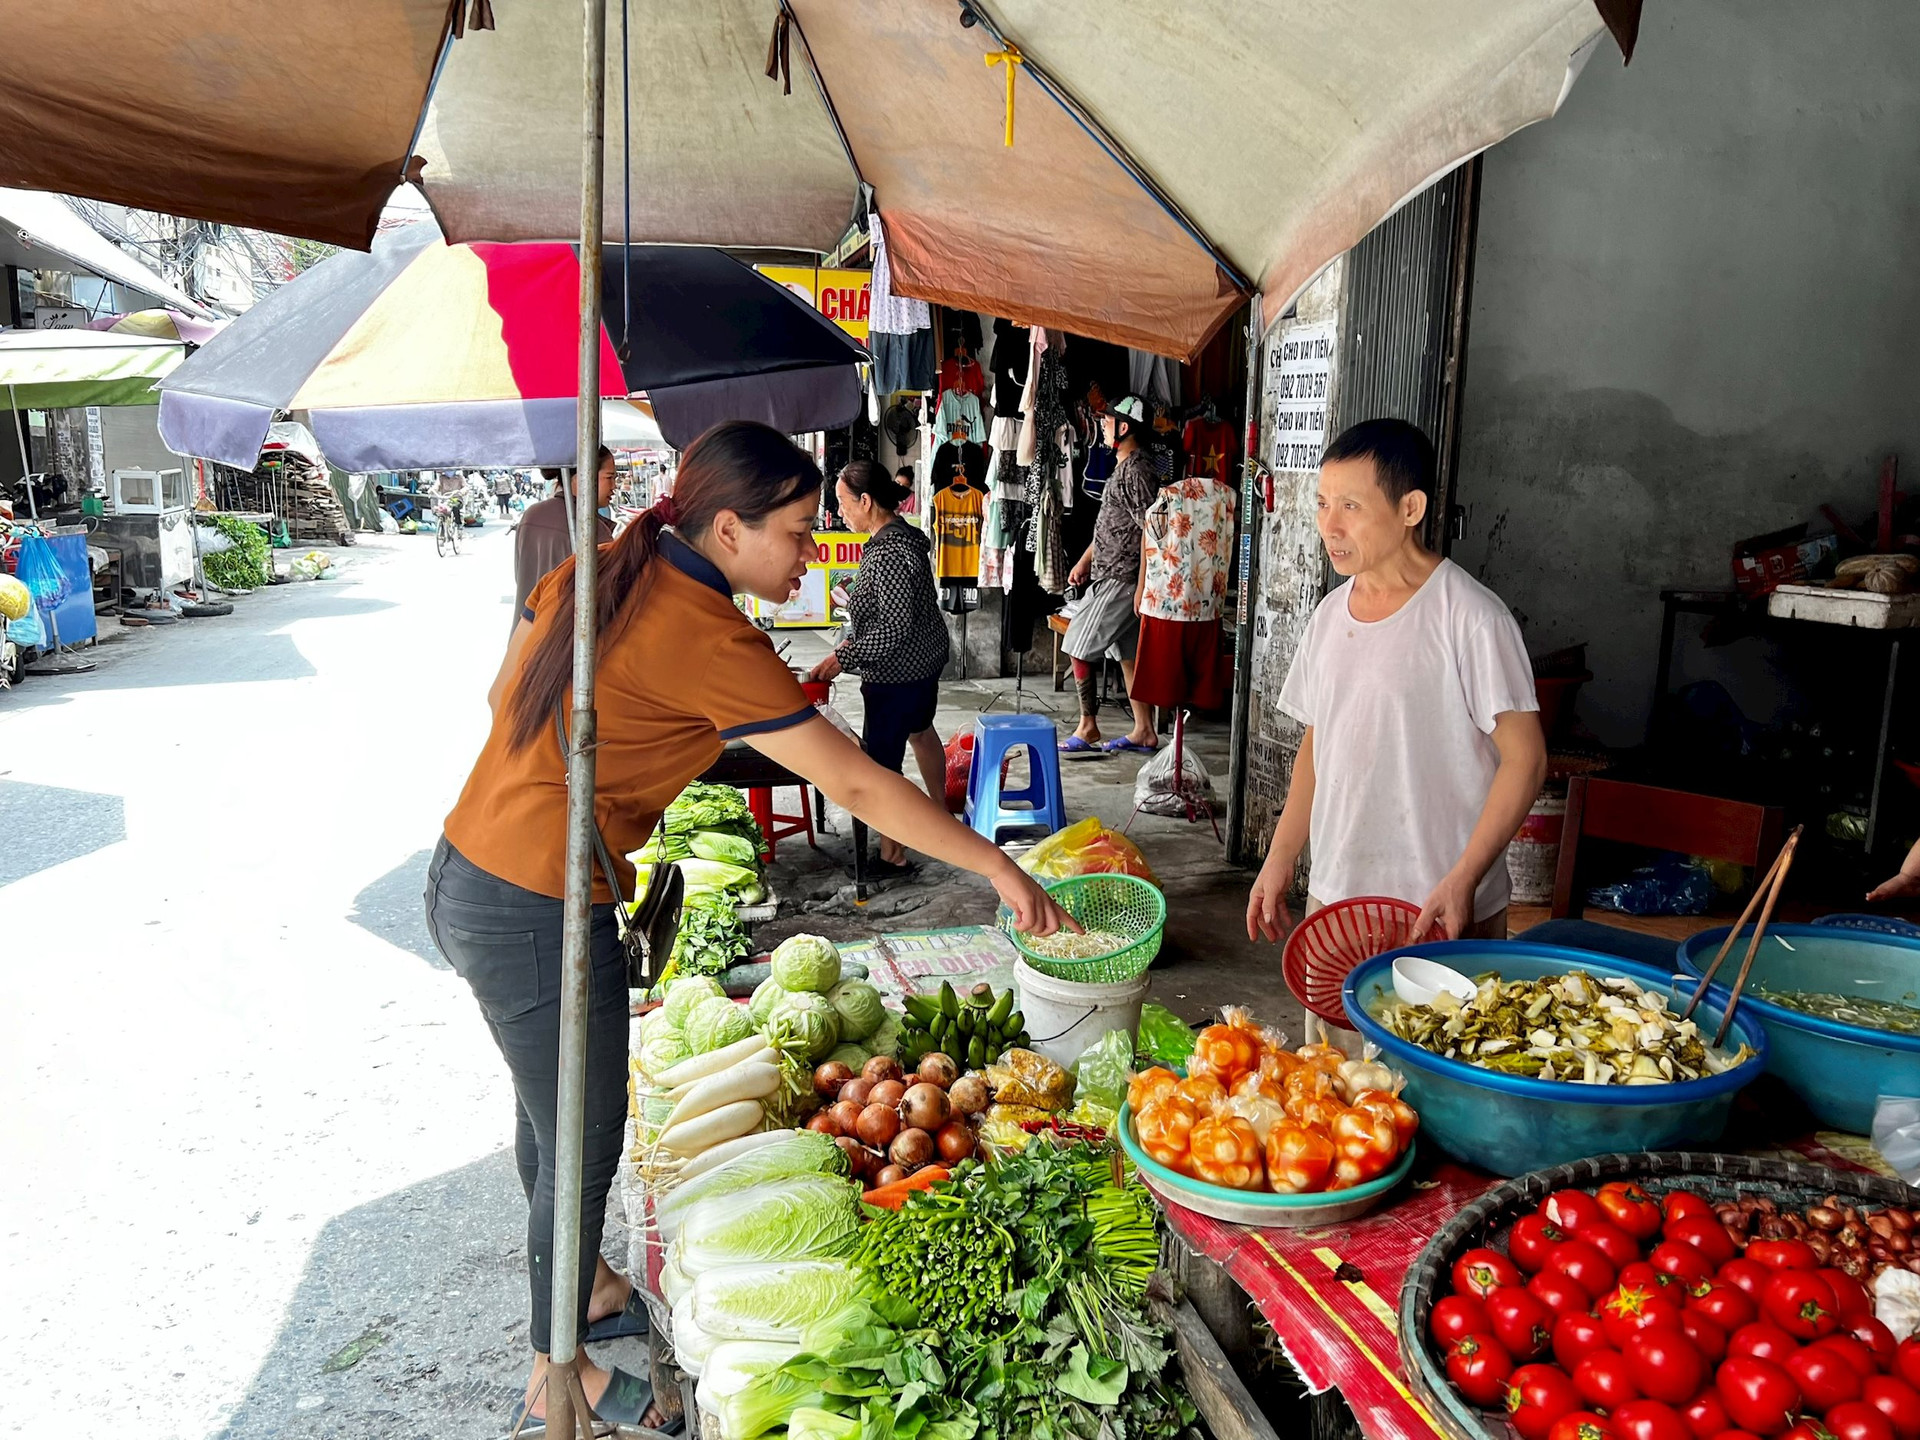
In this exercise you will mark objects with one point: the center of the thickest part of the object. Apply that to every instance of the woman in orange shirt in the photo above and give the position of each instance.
(680, 672)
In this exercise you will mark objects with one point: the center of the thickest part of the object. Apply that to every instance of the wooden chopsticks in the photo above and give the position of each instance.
(1769, 888)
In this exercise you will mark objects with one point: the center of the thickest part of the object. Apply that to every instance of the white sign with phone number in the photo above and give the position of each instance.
(1299, 376)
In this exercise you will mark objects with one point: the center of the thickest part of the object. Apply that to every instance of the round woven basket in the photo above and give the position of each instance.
(1122, 905)
(1719, 1178)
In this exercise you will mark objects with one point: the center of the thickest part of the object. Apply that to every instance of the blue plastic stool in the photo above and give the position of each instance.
(1040, 805)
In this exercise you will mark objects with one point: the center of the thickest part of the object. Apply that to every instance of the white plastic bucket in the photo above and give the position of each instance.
(1064, 1017)
(1533, 856)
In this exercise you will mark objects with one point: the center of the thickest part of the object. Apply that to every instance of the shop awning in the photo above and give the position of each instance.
(41, 231)
(56, 369)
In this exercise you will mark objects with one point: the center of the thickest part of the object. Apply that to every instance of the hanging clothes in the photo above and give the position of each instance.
(957, 409)
(964, 326)
(1043, 343)
(965, 459)
(962, 373)
(1153, 376)
(1011, 359)
(1210, 448)
(1186, 546)
(957, 513)
(902, 362)
(887, 313)
(1006, 515)
(1004, 434)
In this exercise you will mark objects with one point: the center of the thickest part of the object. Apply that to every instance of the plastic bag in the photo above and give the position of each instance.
(1156, 792)
(1669, 886)
(1086, 847)
(1025, 1077)
(1896, 1134)
(959, 771)
(1164, 1037)
(1100, 1079)
(39, 570)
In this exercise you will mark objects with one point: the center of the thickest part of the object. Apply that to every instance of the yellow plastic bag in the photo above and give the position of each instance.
(1025, 1077)
(1087, 847)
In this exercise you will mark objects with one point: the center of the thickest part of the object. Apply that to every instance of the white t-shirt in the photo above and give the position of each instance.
(1402, 711)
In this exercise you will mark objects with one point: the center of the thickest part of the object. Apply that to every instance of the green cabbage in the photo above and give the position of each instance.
(803, 1152)
(850, 1055)
(885, 1040)
(791, 1219)
(770, 1302)
(807, 962)
(726, 848)
(810, 1423)
(715, 1023)
(663, 1049)
(806, 1019)
(860, 1009)
(684, 994)
(765, 995)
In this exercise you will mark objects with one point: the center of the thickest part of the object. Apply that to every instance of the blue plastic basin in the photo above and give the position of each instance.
(1839, 1070)
(1511, 1124)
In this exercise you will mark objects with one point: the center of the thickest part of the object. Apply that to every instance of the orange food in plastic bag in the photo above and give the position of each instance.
(1206, 1093)
(1309, 1082)
(1298, 1159)
(1259, 1110)
(1402, 1115)
(1226, 1052)
(1165, 1129)
(1324, 1057)
(1367, 1139)
(1227, 1152)
(1346, 1174)
(1150, 1085)
(1319, 1113)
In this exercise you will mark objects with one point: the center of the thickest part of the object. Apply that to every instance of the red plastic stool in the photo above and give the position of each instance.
(777, 826)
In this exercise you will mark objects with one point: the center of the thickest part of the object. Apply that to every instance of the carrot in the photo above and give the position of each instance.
(892, 1197)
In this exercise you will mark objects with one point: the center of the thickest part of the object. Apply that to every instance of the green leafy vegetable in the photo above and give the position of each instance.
(790, 1219)
(716, 1022)
(768, 993)
(850, 1055)
(858, 1003)
(806, 962)
(717, 875)
(711, 936)
(805, 1020)
(771, 1302)
(725, 847)
(803, 1152)
(683, 995)
(808, 1423)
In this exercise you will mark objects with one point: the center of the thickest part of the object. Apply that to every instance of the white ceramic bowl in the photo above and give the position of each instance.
(1419, 981)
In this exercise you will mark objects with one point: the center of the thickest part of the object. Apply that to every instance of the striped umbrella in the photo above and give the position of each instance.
(423, 354)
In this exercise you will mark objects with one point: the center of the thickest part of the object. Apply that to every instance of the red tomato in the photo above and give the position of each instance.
(1706, 1417)
(1679, 1204)
(1613, 1242)
(1762, 1341)
(1481, 1272)
(1676, 1257)
(1575, 1337)
(1906, 1360)
(1531, 1240)
(1583, 1425)
(1458, 1315)
(1573, 1210)
(1854, 1352)
(1478, 1368)
(1583, 1265)
(1849, 1295)
(1559, 1294)
(1736, 1435)
(1631, 1208)
(1783, 1255)
(1666, 1366)
(1641, 1273)
(1857, 1420)
(1825, 1379)
(1746, 1276)
(1605, 1379)
(1758, 1394)
(1706, 1234)
(1649, 1420)
(1623, 1311)
(1537, 1396)
(1708, 1338)
(1877, 1338)
(1800, 1303)
(1520, 1322)
(1724, 1304)
(1807, 1430)
(1898, 1401)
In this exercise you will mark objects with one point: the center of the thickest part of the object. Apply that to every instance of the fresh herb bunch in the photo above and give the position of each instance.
(711, 938)
(248, 564)
(943, 1257)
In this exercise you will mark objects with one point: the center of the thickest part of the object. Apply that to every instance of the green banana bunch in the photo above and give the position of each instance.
(973, 1030)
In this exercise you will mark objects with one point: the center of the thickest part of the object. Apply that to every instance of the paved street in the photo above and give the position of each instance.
(257, 1181)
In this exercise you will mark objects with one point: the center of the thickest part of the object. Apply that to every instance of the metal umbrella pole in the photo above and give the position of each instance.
(567, 1410)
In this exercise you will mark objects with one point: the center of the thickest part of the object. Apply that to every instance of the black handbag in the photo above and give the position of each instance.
(648, 928)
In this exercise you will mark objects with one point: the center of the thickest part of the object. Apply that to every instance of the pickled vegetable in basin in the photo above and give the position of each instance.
(1510, 1123)
(1838, 1068)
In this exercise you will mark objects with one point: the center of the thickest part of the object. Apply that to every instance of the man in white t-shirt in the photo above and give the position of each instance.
(1423, 750)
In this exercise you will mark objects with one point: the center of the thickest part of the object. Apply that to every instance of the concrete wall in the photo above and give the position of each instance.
(1696, 317)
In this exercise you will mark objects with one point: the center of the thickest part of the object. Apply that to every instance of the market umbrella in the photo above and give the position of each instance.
(163, 323)
(59, 369)
(422, 354)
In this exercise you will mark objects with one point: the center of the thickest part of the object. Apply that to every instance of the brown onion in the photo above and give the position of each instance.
(889, 1175)
(886, 1092)
(853, 1150)
(828, 1078)
(859, 1090)
(969, 1095)
(937, 1068)
(911, 1148)
(846, 1117)
(877, 1125)
(955, 1142)
(822, 1123)
(881, 1067)
(925, 1107)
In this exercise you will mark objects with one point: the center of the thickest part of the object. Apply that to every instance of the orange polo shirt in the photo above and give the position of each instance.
(685, 673)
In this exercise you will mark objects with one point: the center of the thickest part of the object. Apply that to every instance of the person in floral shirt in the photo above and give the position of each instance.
(1186, 545)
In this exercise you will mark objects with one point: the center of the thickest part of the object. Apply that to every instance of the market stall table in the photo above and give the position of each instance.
(745, 768)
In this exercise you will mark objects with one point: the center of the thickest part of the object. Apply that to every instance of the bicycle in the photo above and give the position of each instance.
(446, 525)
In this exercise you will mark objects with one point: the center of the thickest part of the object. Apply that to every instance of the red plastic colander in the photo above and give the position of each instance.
(1335, 938)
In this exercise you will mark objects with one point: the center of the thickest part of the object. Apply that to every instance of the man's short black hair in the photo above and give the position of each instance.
(1401, 453)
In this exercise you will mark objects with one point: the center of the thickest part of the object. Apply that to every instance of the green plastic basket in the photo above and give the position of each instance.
(1123, 904)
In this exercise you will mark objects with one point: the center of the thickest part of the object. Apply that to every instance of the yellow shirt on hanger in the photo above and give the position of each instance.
(957, 514)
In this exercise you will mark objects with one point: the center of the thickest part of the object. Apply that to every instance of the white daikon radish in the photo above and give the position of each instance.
(752, 1080)
(719, 1155)
(712, 1063)
(690, 1137)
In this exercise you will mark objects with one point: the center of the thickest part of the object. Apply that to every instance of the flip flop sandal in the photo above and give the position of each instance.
(625, 1403)
(1114, 747)
(634, 1320)
(1074, 745)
